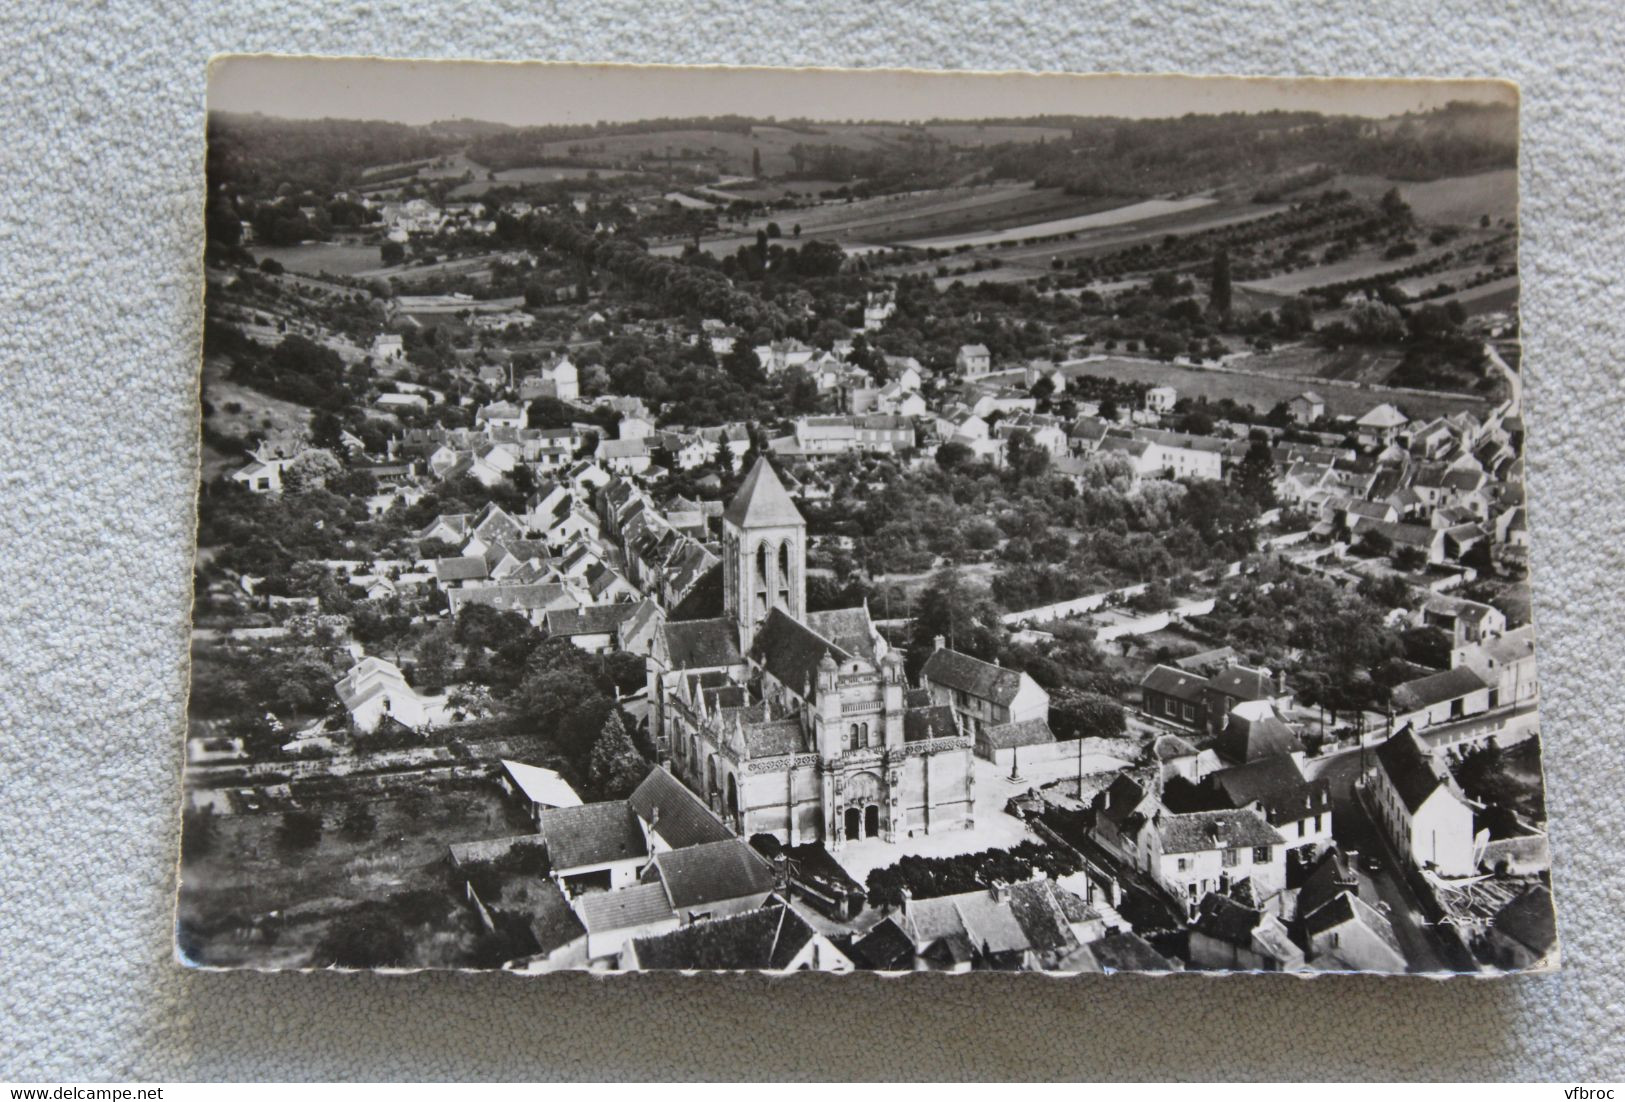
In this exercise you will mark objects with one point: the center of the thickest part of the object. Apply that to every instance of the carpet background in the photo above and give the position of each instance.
(100, 234)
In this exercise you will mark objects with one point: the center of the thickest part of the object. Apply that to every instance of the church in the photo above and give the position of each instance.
(800, 724)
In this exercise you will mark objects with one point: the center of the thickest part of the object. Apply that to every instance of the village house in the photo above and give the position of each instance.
(1211, 851)
(772, 938)
(597, 847)
(1414, 801)
(1443, 697)
(1307, 408)
(1034, 925)
(1523, 934)
(537, 788)
(973, 360)
(1229, 935)
(1161, 399)
(375, 689)
(1380, 426)
(982, 695)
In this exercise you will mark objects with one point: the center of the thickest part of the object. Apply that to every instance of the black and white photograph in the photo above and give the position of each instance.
(772, 520)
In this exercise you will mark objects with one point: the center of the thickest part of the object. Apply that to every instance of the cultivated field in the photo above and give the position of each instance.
(1115, 216)
(1263, 391)
(1365, 266)
(1457, 200)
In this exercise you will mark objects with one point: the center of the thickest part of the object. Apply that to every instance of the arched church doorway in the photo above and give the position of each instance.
(733, 800)
(854, 824)
(871, 821)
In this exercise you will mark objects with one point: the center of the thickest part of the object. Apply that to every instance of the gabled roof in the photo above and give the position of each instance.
(1436, 688)
(592, 834)
(1209, 830)
(698, 876)
(625, 909)
(851, 629)
(675, 813)
(972, 676)
(698, 644)
(885, 948)
(587, 619)
(929, 721)
(762, 501)
(1348, 907)
(1276, 783)
(1409, 768)
(791, 651)
(461, 569)
(1023, 732)
(1224, 919)
(763, 940)
(1126, 952)
(1173, 682)
(1244, 683)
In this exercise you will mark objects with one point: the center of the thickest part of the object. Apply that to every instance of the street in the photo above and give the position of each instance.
(1354, 830)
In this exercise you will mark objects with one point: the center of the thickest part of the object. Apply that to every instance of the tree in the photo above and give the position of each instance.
(617, 767)
(391, 253)
(952, 455)
(1255, 476)
(362, 941)
(309, 470)
(1074, 714)
(1221, 296)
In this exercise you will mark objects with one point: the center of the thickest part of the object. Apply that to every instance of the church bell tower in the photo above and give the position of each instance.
(764, 553)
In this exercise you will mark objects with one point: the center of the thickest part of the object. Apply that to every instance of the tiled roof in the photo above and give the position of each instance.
(1348, 907)
(885, 948)
(791, 652)
(461, 569)
(972, 676)
(544, 596)
(1023, 732)
(851, 629)
(1243, 683)
(592, 834)
(931, 721)
(1436, 688)
(1277, 783)
(1250, 737)
(625, 909)
(775, 738)
(698, 876)
(1409, 768)
(587, 619)
(1208, 830)
(1125, 952)
(1222, 918)
(677, 815)
(763, 940)
(548, 914)
(697, 644)
(1175, 683)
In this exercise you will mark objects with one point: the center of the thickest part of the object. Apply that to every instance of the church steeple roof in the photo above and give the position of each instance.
(762, 501)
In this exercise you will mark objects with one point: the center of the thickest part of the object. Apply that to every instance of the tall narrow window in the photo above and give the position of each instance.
(784, 575)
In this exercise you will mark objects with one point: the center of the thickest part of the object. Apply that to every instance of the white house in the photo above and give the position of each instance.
(1161, 399)
(387, 347)
(375, 688)
(1426, 820)
(973, 360)
(1208, 851)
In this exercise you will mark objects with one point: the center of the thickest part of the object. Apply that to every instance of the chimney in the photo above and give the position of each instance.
(999, 890)
(908, 903)
(938, 642)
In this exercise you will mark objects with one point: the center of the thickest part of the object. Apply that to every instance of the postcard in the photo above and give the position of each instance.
(716, 519)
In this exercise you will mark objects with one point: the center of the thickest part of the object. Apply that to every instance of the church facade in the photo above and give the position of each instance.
(796, 724)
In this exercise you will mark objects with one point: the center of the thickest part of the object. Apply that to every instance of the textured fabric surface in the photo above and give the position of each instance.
(100, 235)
